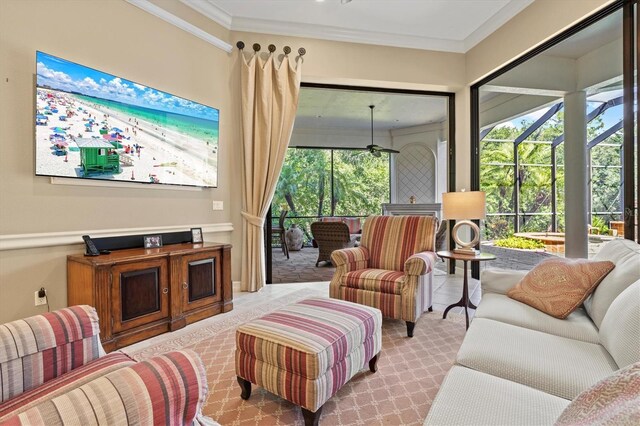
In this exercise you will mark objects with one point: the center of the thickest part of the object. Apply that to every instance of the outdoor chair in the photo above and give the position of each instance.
(392, 270)
(278, 232)
(330, 236)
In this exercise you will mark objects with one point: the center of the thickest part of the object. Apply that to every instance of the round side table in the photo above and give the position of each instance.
(466, 258)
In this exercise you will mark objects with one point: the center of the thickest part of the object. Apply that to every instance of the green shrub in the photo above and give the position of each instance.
(519, 243)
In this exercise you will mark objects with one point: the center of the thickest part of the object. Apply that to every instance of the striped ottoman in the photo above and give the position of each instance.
(306, 351)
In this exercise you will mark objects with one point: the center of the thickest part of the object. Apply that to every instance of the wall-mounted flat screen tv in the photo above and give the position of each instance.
(94, 125)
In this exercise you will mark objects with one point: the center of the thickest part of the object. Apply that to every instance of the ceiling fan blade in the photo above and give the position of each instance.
(390, 151)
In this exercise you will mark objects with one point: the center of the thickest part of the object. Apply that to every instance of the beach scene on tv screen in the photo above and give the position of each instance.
(90, 124)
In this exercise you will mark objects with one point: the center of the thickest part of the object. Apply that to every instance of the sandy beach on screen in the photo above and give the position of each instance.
(166, 156)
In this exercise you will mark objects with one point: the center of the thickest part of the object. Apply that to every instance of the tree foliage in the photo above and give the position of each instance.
(499, 176)
(306, 187)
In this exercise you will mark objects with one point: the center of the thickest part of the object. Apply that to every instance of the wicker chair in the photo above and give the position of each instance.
(330, 236)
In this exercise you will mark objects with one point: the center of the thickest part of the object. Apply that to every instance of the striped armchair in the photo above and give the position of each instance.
(54, 371)
(392, 269)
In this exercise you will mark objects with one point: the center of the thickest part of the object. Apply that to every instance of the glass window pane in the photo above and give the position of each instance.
(535, 223)
(304, 185)
(497, 182)
(497, 226)
(360, 182)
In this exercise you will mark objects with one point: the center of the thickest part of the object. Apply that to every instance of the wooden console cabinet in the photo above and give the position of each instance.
(140, 293)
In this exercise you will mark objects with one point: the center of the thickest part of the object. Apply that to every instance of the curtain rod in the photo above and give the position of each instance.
(272, 48)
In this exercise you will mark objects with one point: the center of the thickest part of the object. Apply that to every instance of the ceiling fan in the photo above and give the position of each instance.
(377, 150)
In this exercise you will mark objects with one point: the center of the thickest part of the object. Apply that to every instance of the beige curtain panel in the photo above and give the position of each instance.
(269, 103)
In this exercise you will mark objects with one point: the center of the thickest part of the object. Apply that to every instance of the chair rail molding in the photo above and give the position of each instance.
(51, 239)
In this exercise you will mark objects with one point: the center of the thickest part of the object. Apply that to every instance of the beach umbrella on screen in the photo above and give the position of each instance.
(61, 144)
(115, 129)
(41, 116)
(110, 137)
(58, 130)
(88, 125)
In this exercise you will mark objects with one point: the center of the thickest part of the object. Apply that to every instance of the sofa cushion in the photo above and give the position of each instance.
(557, 286)
(612, 401)
(556, 365)
(40, 348)
(496, 280)
(499, 307)
(352, 222)
(620, 328)
(168, 389)
(626, 255)
(469, 397)
(64, 383)
(375, 279)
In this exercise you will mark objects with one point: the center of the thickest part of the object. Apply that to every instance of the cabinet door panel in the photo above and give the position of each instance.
(201, 275)
(140, 294)
(202, 279)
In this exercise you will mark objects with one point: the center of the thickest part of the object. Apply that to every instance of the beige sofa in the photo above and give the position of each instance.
(518, 365)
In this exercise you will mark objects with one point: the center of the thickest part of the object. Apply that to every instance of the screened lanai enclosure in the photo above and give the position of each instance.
(356, 152)
(556, 151)
(522, 170)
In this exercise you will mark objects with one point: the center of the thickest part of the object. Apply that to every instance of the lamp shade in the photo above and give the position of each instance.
(464, 205)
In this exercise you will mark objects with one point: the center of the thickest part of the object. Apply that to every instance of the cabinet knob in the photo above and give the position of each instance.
(185, 285)
(165, 290)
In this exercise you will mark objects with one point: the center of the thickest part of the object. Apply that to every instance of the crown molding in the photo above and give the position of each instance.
(211, 11)
(500, 18)
(325, 32)
(52, 239)
(159, 12)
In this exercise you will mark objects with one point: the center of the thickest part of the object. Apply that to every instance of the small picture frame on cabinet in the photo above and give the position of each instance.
(196, 235)
(152, 241)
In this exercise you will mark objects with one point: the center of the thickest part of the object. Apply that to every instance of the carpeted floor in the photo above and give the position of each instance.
(410, 371)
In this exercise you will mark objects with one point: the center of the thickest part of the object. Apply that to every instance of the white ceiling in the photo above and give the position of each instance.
(445, 25)
(348, 109)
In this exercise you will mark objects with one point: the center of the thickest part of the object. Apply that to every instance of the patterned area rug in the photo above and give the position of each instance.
(410, 371)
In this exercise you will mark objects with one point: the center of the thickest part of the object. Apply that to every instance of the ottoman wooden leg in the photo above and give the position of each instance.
(245, 385)
(373, 363)
(311, 418)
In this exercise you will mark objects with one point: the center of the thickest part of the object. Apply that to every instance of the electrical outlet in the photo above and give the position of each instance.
(41, 300)
(217, 205)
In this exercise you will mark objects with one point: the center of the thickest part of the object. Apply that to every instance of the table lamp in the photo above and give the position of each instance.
(464, 206)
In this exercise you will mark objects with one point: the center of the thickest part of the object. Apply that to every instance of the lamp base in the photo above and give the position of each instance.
(466, 250)
(466, 247)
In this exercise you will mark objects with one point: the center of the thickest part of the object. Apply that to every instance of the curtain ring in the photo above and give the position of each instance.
(302, 51)
(240, 45)
(287, 50)
(256, 47)
(272, 48)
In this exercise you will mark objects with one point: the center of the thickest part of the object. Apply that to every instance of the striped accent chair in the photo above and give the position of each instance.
(392, 270)
(54, 371)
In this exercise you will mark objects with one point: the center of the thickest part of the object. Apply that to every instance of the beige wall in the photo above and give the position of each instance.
(119, 38)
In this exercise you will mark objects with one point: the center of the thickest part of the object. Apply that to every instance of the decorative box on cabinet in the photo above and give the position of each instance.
(141, 293)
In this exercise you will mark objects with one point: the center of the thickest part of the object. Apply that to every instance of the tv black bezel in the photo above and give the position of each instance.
(35, 129)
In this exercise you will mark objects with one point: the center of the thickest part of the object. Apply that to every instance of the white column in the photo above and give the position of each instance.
(575, 172)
